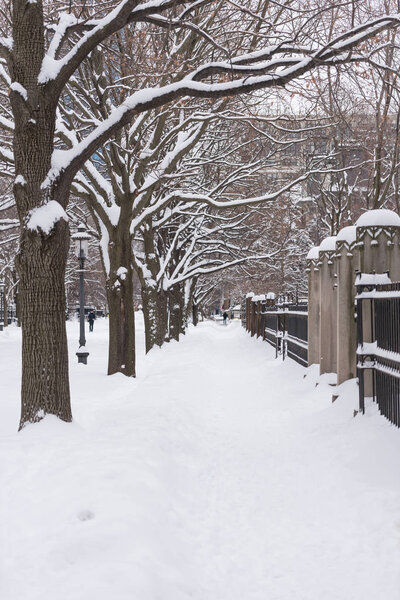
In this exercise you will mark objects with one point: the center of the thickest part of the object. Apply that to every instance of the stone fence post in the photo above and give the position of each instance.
(314, 292)
(248, 310)
(328, 306)
(347, 263)
(371, 246)
(378, 238)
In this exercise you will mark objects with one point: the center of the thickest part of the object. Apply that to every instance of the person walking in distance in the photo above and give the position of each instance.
(225, 316)
(91, 318)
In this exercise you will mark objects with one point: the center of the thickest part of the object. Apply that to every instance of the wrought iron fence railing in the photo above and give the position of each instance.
(378, 347)
(283, 325)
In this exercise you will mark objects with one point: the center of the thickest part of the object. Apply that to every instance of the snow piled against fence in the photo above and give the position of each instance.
(220, 473)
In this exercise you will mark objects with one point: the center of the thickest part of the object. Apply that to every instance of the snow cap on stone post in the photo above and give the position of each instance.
(378, 237)
(328, 308)
(312, 259)
(346, 237)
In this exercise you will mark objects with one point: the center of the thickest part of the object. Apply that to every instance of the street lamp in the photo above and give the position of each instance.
(16, 302)
(81, 239)
(2, 285)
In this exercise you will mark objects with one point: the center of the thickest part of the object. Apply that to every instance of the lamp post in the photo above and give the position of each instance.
(81, 239)
(2, 285)
(16, 302)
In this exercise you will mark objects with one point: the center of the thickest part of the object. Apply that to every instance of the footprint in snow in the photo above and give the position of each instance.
(85, 515)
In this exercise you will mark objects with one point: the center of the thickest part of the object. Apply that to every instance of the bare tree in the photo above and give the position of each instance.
(41, 54)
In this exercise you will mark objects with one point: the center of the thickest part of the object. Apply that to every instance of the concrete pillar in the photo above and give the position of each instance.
(248, 310)
(347, 262)
(372, 245)
(253, 317)
(313, 305)
(328, 306)
(255, 302)
(258, 316)
(261, 321)
(270, 299)
(378, 236)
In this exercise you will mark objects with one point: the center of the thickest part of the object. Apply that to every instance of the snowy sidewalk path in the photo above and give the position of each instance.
(219, 474)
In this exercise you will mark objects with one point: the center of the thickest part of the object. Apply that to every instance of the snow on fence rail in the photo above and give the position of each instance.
(378, 345)
(283, 325)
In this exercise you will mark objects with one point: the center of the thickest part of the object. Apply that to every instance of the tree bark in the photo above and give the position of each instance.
(176, 310)
(155, 312)
(195, 313)
(189, 287)
(43, 252)
(5, 308)
(121, 348)
(154, 299)
(45, 382)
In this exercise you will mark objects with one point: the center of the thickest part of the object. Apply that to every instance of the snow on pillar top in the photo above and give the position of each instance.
(378, 235)
(347, 234)
(328, 244)
(327, 250)
(380, 217)
(313, 253)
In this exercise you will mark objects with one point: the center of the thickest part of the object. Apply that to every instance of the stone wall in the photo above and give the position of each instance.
(371, 245)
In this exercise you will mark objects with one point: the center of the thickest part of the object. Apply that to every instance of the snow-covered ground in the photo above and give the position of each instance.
(218, 474)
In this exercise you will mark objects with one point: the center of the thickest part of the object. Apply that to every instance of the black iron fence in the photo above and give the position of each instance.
(272, 331)
(283, 325)
(378, 348)
(297, 335)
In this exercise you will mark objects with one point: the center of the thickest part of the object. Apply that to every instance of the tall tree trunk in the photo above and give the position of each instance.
(195, 313)
(43, 251)
(121, 346)
(176, 308)
(154, 299)
(5, 308)
(45, 382)
(189, 287)
(155, 312)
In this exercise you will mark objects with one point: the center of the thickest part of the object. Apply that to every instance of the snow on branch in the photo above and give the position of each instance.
(6, 124)
(178, 195)
(60, 70)
(197, 270)
(46, 216)
(6, 224)
(266, 74)
(6, 156)
(6, 45)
